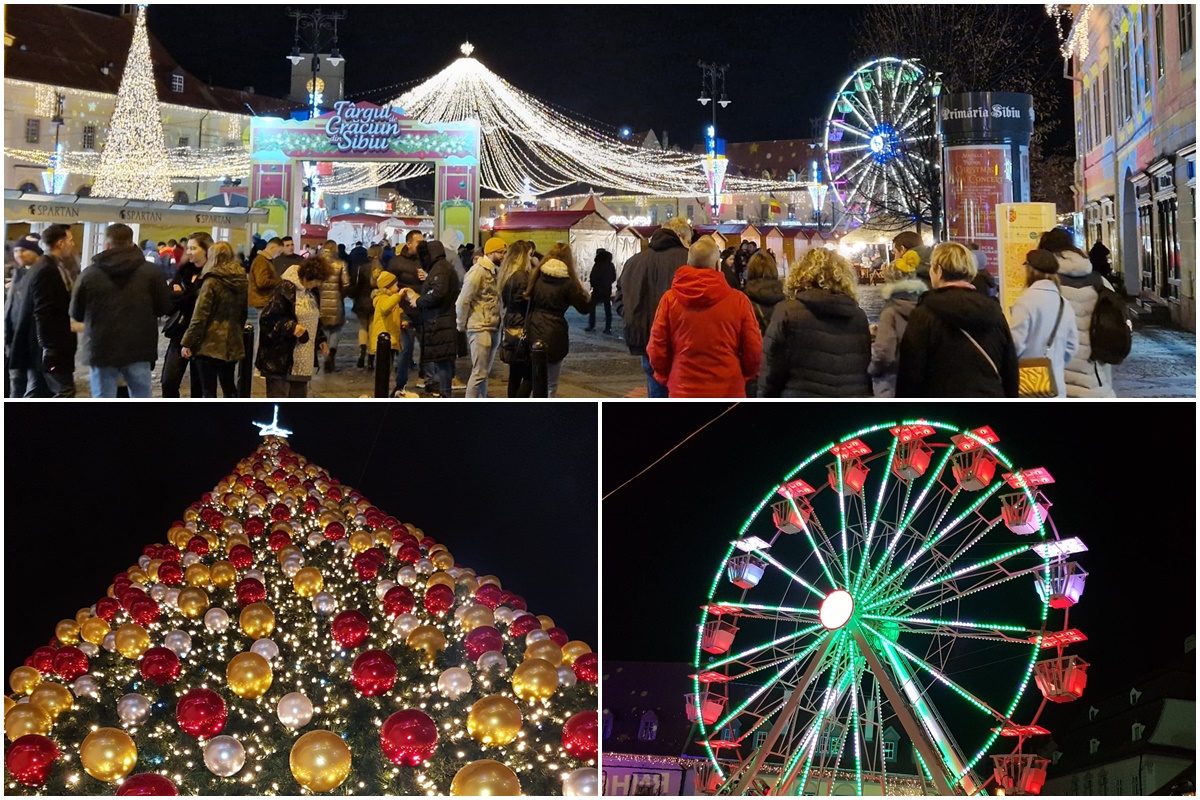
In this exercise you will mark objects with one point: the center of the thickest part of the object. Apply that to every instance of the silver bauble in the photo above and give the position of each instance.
(582, 782)
(295, 710)
(178, 642)
(133, 709)
(224, 756)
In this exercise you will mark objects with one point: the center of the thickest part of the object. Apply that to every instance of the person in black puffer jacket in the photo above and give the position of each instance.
(819, 342)
(553, 288)
(435, 308)
(514, 280)
(765, 291)
(604, 275)
(184, 289)
(940, 352)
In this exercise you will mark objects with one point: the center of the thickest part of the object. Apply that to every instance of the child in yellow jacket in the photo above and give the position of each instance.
(386, 300)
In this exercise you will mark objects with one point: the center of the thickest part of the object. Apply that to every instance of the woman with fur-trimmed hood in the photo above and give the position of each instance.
(900, 298)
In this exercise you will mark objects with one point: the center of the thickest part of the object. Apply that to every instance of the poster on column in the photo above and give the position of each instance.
(978, 180)
(1020, 227)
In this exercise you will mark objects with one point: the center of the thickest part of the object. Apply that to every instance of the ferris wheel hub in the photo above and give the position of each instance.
(836, 609)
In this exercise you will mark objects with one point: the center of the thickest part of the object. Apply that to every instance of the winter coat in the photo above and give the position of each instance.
(478, 304)
(280, 353)
(1033, 319)
(404, 267)
(262, 280)
(50, 306)
(604, 275)
(646, 278)
(220, 315)
(283, 262)
(333, 292)
(1085, 378)
(187, 278)
(553, 293)
(119, 300)
(817, 345)
(435, 307)
(516, 307)
(764, 295)
(385, 318)
(705, 341)
(20, 335)
(900, 298)
(937, 360)
(364, 288)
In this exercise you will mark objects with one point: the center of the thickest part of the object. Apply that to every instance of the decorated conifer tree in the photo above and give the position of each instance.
(289, 637)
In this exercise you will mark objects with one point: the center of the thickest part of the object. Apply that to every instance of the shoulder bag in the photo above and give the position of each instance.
(1037, 374)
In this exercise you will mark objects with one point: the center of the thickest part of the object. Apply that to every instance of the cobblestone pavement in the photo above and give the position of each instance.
(1162, 364)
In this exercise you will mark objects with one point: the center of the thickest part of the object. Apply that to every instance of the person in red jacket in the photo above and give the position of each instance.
(705, 341)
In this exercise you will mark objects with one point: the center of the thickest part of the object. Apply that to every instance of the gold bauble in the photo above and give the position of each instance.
(490, 579)
(176, 532)
(83, 615)
(26, 718)
(573, 650)
(383, 538)
(442, 578)
(197, 575)
(286, 527)
(139, 576)
(108, 754)
(320, 761)
(192, 602)
(249, 675)
(485, 778)
(308, 581)
(547, 623)
(67, 631)
(477, 616)
(535, 679)
(494, 719)
(53, 698)
(228, 526)
(288, 550)
(24, 680)
(8, 704)
(234, 539)
(190, 515)
(470, 583)
(152, 568)
(545, 649)
(360, 541)
(257, 620)
(442, 560)
(427, 639)
(132, 639)
(223, 574)
(213, 540)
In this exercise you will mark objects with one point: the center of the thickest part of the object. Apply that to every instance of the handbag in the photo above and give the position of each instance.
(1037, 374)
(174, 327)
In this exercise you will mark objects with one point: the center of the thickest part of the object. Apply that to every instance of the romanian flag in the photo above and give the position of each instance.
(776, 206)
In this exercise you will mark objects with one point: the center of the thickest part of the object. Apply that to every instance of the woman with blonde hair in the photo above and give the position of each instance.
(818, 343)
(214, 337)
(333, 306)
(515, 271)
(554, 286)
(957, 343)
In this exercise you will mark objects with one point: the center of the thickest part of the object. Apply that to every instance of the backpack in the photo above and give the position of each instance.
(1112, 336)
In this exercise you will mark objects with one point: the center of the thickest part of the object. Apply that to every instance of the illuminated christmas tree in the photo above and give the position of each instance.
(133, 163)
(292, 637)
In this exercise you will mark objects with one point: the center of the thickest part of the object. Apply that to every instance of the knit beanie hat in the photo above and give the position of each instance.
(385, 280)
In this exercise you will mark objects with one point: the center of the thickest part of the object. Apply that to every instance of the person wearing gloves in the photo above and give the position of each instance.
(478, 311)
(386, 318)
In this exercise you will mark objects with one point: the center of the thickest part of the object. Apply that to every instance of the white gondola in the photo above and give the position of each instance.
(1065, 586)
(704, 706)
(1021, 516)
(1020, 773)
(745, 571)
(718, 636)
(1061, 680)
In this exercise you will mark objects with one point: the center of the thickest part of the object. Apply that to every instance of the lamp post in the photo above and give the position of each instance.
(314, 24)
(710, 73)
(817, 192)
(935, 90)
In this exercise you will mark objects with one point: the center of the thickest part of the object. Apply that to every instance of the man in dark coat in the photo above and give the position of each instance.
(434, 306)
(358, 257)
(49, 300)
(287, 258)
(19, 336)
(119, 300)
(406, 266)
(604, 275)
(644, 280)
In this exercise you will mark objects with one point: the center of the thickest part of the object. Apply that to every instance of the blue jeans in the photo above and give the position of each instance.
(484, 345)
(654, 389)
(137, 378)
(404, 362)
(553, 371)
(443, 373)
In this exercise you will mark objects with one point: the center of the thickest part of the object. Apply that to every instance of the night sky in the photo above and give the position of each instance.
(510, 489)
(1125, 484)
(621, 65)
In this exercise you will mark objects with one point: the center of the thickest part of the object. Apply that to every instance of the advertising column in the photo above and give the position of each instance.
(985, 144)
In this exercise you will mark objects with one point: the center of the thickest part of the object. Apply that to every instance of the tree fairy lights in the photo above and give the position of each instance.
(289, 638)
(134, 162)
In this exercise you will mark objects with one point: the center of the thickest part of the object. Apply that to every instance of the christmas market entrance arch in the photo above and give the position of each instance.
(365, 133)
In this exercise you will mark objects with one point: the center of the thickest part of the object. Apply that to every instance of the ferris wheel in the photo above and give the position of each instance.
(877, 139)
(894, 583)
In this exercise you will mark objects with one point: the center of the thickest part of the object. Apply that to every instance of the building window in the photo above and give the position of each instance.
(1092, 712)
(1085, 138)
(181, 198)
(1087, 784)
(1103, 783)
(33, 131)
(740, 211)
(1134, 694)
(1120, 783)
(27, 188)
(1093, 746)
(176, 83)
(829, 744)
(759, 738)
(1146, 246)
(1186, 34)
(648, 730)
(1168, 225)
(1105, 85)
(1124, 106)
(89, 137)
(1138, 728)
(691, 211)
(1160, 48)
(185, 141)
(1146, 66)
(889, 751)
(1137, 783)
(608, 723)
(1096, 140)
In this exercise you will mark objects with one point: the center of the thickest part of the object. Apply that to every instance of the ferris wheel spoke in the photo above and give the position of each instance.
(986, 563)
(729, 717)
(812, 738)
(853, 149)
(989, 581)
(740, 656)
(967, 544)
(775, 563)
(914, 121)
(996, 631)
(813, 544)
(950, 527)
(883, 486)
(848, 128)
(862, 110)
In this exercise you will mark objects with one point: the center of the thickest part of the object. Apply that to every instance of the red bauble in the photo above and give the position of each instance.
(43, 659)
(350, 628)
(579, 735)
(147, 784)
(335, 531)
(278, 540)
(201, 713)
(255, 527)
(278, 475)
(586, 667)
(171, 554)
(107, 607)
(408, 554)
(280, 512)
(515, 601)
(558, 636)
(439, 598)
(250, 590)
(482, 640)
(398, 600)
(30, 758)
(70, 663)
(373, 673)
(408, 737)
(198, 545)
(260, 486)
(169, 574)
(366, 567)
(129, 597)
(150, 551)
(523, 625)
(144, 611)
(489, 594)
(241, 556)
(160, 665)
(377, 554)
(311, 506)
(121, 583)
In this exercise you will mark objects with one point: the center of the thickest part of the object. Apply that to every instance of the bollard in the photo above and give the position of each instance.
(245, 381)
(383, 365)
(541, 386)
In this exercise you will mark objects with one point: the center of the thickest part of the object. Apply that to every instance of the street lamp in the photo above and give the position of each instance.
(935, 90)
(710, 73)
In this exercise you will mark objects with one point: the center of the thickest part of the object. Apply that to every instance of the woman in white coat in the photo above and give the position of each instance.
(1043, 322)
(1085, 377)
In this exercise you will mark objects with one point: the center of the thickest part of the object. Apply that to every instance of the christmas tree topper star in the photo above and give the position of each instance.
(467, 48)
(272, 428)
